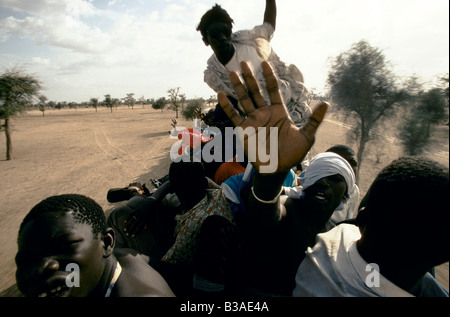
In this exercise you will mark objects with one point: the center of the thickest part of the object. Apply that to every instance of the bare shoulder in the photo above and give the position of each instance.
(138, 278)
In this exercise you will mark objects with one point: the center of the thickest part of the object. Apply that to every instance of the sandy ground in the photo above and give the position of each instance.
(87, 152)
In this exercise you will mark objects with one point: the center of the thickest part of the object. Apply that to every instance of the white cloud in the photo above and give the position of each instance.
(174, 12)
(113, 2)
(41, 61)
(155, 46)
(51, 7)
(54, 23)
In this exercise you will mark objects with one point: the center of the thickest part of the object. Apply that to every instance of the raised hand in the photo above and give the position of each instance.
(292, 143)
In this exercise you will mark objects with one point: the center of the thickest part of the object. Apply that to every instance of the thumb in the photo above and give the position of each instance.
(316, 118)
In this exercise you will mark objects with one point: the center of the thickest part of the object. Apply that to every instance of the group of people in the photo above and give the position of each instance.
(232, 229)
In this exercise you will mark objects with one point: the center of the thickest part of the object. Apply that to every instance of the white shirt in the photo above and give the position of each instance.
(334, 268)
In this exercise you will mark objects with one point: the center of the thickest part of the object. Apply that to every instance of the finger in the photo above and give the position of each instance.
(272, 84)
(229, 110)
(252, 84)
(316, 118)
(242, 93)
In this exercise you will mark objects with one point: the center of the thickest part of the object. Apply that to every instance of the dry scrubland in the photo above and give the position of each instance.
(87, 152)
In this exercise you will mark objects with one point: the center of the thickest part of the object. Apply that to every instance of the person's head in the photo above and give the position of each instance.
(188, 181)
(327, 181)
(406, 215)
(346, 152)
(216, 27)
(61, 237)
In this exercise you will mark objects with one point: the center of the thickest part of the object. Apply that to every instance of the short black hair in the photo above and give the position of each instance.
(346, 152)
(214, 15)
(413, 188)
(85, 210)
(341, 148)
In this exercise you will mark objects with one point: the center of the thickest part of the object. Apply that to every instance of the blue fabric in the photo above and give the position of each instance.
(238, 183)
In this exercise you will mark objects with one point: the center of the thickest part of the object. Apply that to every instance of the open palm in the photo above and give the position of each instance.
(271, 124)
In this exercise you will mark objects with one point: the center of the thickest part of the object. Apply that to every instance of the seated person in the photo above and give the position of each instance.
(325, 187)
(199, 198)
(399, 235)
(66, 250)
(349, 209)
(146, 223)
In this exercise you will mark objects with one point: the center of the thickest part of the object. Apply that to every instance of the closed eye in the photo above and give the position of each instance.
(72, 244)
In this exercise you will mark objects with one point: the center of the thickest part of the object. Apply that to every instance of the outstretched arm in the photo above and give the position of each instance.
(291, 143)
(270, 14)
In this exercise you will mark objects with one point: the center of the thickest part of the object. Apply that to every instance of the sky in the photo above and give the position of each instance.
(83, 49)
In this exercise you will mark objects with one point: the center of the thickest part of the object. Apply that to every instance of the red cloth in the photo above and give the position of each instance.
(193, 136)
(227, 170)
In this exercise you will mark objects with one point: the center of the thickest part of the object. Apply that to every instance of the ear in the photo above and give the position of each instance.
(109, 241)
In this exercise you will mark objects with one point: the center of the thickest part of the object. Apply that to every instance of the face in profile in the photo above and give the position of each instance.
(48, 246)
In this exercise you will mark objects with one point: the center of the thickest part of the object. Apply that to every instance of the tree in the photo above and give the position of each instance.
(411, 129)
(108, 102)
(174, 100)
(143, 101)
(194, 106)
(159, 103)
(129, 100)
(93, 102)
(427, 110)
(183, 100)
(51, 104)
(432, 108)
(72, 105)
(212, 100)
(17, 91)
(444, 83)
(115, 102)
(41, 104)
(362, 86)
(413, 134)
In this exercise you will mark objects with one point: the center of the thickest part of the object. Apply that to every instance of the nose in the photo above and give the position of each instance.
(48, 266)
(217, 38)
